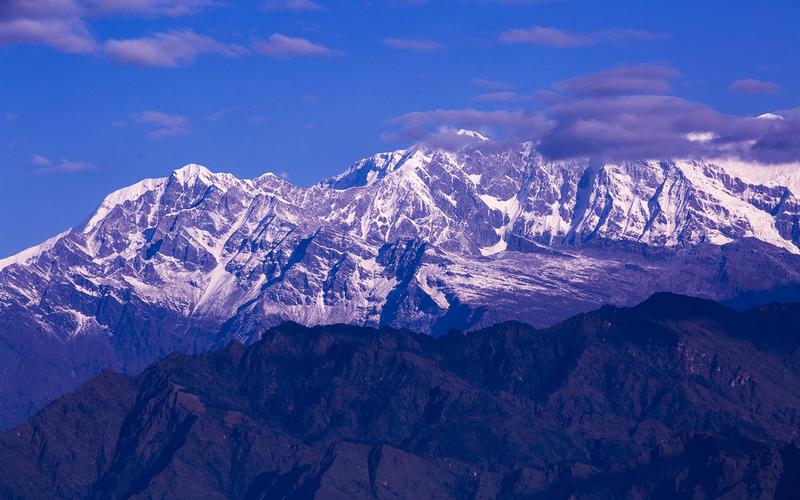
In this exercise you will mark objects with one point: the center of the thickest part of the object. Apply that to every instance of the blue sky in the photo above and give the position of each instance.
(97, 94)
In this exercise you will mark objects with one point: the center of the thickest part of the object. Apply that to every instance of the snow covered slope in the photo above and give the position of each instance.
(401, 238)
(420, 238)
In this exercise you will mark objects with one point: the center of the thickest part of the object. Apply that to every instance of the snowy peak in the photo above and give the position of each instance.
(120, 197)
(204, 243)
(472, 134)
(370, 170)
(191, 172)
(472, 201)
(26, 256)
(367, 172)
(423, 238)
(185, 176)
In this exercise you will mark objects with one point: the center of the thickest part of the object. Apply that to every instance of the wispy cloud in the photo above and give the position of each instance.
(62, 24)
(73, 166)
(753, 86)
(636, 79)
(168, 8)
(492, 84)
(292, 5)
(554, 37)
(169, 49)
(621, 35)
(221, 113)
(47, 166)
(409, 3)
(40, 160)
(92, 8)
(284, 47)
(501, 96)
(163, 125)
(69, 35)
(13, 9)
(258, 120)
(545, 36)
(10, 117)
(417, 45)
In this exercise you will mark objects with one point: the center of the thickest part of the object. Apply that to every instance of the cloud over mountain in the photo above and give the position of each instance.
(617, 114)
(637, 79)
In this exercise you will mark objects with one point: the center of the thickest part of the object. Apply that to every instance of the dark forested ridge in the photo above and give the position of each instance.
(676, 397)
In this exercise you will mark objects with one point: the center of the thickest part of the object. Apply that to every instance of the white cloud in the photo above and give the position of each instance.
(164, 124)
(40, 160)
(292, 5)
(284, 47)
(412, 44)
(169, 49)
(69, 35)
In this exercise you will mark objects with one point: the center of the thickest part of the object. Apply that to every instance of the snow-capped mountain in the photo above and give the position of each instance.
(419, 238)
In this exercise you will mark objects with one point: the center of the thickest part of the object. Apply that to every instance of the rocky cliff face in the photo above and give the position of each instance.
(407, 224)
(421, 238)
(677, 397)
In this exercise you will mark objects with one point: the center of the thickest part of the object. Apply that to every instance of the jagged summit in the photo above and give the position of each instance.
(367, 171)
(270, 175)
(422, 238)
(190, 171)
(262, 242)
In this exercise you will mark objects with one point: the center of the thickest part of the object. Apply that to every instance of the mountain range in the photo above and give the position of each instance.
(424, 239)
(675, 398)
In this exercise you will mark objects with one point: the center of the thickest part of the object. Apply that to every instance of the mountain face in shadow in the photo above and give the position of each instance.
(674, 398)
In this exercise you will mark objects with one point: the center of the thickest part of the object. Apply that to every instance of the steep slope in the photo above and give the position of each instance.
(316, 255)
(676, 397)
(421, 238)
